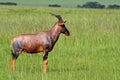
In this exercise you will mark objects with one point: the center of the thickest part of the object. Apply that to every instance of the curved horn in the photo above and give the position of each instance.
(57, 16)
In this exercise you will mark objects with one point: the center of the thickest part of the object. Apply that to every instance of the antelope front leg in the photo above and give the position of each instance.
(45, 61)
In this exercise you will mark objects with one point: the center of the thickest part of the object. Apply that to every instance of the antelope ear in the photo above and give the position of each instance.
(64, 21)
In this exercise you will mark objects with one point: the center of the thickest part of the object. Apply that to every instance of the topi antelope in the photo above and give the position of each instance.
(40, 42)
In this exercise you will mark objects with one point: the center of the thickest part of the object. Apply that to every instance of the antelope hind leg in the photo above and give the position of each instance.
(13, 60)
(12, 63)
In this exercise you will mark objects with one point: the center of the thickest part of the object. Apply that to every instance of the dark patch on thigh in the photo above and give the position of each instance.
(18, 45)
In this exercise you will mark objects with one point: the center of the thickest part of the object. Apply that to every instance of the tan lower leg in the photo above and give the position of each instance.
(45, 62)
(12, 62)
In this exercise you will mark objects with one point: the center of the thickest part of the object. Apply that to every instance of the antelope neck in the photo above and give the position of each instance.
(55, 33)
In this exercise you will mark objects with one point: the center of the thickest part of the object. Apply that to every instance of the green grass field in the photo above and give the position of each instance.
(92, 52)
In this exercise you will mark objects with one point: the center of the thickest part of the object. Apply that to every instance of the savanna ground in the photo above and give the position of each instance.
(92, 52)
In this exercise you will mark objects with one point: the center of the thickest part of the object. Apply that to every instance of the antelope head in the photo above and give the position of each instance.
(61, 23)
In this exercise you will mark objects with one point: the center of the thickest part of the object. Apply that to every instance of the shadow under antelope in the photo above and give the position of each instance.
(40, 42)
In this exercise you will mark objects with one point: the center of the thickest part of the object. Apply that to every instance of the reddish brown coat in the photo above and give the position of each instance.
(40, 42)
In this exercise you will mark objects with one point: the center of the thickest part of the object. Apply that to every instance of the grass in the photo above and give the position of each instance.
(91, 52)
